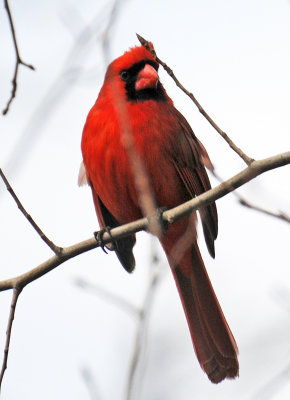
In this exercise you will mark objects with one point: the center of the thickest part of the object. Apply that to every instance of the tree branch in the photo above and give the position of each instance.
(252, 171)
(18, 62)
(255, 169)
(16, 293)
(54, 248)
(19, 282)
(247, 160)
(244, 202)
(279, 215)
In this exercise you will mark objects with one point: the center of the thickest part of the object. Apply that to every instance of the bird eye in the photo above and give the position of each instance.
(124, 75)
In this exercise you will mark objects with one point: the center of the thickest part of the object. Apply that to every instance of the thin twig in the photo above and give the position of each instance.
(280, 215)
(54, 248)
(18, 62)
(247, 160)
(16, 293)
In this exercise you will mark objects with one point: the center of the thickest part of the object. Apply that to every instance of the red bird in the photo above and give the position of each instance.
(174, 162)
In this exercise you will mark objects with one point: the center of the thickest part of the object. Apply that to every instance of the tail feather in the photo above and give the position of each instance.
(212, 338)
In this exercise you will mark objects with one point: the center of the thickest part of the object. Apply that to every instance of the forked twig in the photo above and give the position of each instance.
(18, 62)
(54, 248)
(247, 160)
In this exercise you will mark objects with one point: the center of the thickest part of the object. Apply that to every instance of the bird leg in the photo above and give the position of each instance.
(99, 238)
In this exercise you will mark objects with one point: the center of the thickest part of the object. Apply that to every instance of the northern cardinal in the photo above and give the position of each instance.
(174, 162)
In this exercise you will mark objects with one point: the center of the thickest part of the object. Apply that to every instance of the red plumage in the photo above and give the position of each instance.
(174, 162)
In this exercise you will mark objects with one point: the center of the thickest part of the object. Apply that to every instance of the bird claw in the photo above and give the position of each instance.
(99, 238)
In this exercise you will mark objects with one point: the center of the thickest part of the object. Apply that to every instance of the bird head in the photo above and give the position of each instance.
(135, 74)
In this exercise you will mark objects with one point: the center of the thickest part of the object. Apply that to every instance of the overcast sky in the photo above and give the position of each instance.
(235, 57)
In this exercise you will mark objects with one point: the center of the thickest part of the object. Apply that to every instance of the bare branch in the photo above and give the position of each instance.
(54, 248)
(16, 293)
(255, 169)
(19, 282)
(247, 160)
(252, 171)
(18, 62)
(280, 215)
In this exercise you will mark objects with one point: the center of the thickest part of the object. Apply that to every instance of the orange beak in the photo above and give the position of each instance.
(147, 78)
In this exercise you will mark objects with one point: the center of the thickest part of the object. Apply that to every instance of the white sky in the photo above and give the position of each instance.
(235, 57)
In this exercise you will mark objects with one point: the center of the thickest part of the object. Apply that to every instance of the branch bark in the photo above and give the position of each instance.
(16, 293)
(255, 169)
(19, 282)
(280, 215)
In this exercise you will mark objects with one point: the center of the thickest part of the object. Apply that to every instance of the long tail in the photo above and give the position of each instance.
(212, 338)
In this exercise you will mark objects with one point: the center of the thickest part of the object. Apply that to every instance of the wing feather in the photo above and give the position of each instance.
(124, 246)
(190, 159)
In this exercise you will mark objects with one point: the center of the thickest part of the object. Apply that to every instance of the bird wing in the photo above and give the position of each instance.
(123, 247)
(190, 158)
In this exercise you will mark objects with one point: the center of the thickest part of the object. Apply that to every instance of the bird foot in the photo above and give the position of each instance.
(99, 238)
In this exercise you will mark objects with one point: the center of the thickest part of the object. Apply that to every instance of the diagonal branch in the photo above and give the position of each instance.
(244, 202)
(252, 171)
(248, 160)
(280, 215)
(19, 60)
(54, 248)
(171, 216)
